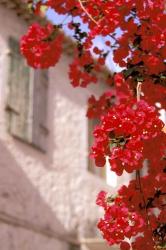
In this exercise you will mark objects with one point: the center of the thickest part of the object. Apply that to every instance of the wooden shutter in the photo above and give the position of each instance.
(27, 100)
(40, 96)
(18, 98)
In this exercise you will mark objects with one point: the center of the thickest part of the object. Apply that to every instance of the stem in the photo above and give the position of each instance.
(138, 178)
(139, 85)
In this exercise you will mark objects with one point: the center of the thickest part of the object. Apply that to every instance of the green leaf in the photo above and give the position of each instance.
(113, 145)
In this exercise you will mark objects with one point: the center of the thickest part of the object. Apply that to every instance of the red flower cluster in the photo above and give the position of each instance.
(121, 134)
(120, 94)
(154, 64)
(124, 87)
(82, 70)
(153, 191)
(126, 216)
(155, 94)
(118, 222)
(149, 202)
(42, 46)
(96, 108)
(63, 7)
(129, 132)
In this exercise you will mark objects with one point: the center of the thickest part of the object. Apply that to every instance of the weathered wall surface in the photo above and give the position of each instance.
(20, 239)
(46, 197)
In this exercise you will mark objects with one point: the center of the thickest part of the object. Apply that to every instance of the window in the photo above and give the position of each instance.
(105, 173)
(26, 103)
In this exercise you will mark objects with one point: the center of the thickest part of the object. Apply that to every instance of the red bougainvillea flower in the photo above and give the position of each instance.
(129, 132)
(118, 222)
(102, 199)
(63, 7)
(144, 242)
(96, 108)
(154, 194)
(125, 245)
(82, 70)
(121, 134)
(156, 94)
(119, 79)
(154, 64)
(125, 217)
(42, 46)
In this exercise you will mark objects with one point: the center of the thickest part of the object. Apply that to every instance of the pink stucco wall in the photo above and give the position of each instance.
(46, 199)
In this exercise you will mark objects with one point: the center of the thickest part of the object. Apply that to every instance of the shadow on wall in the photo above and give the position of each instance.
(21, 205)
(67, 107)
(67, 123)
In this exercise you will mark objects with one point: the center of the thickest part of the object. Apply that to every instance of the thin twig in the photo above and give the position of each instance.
(138, 178)
(92, 19)
(88, 14)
